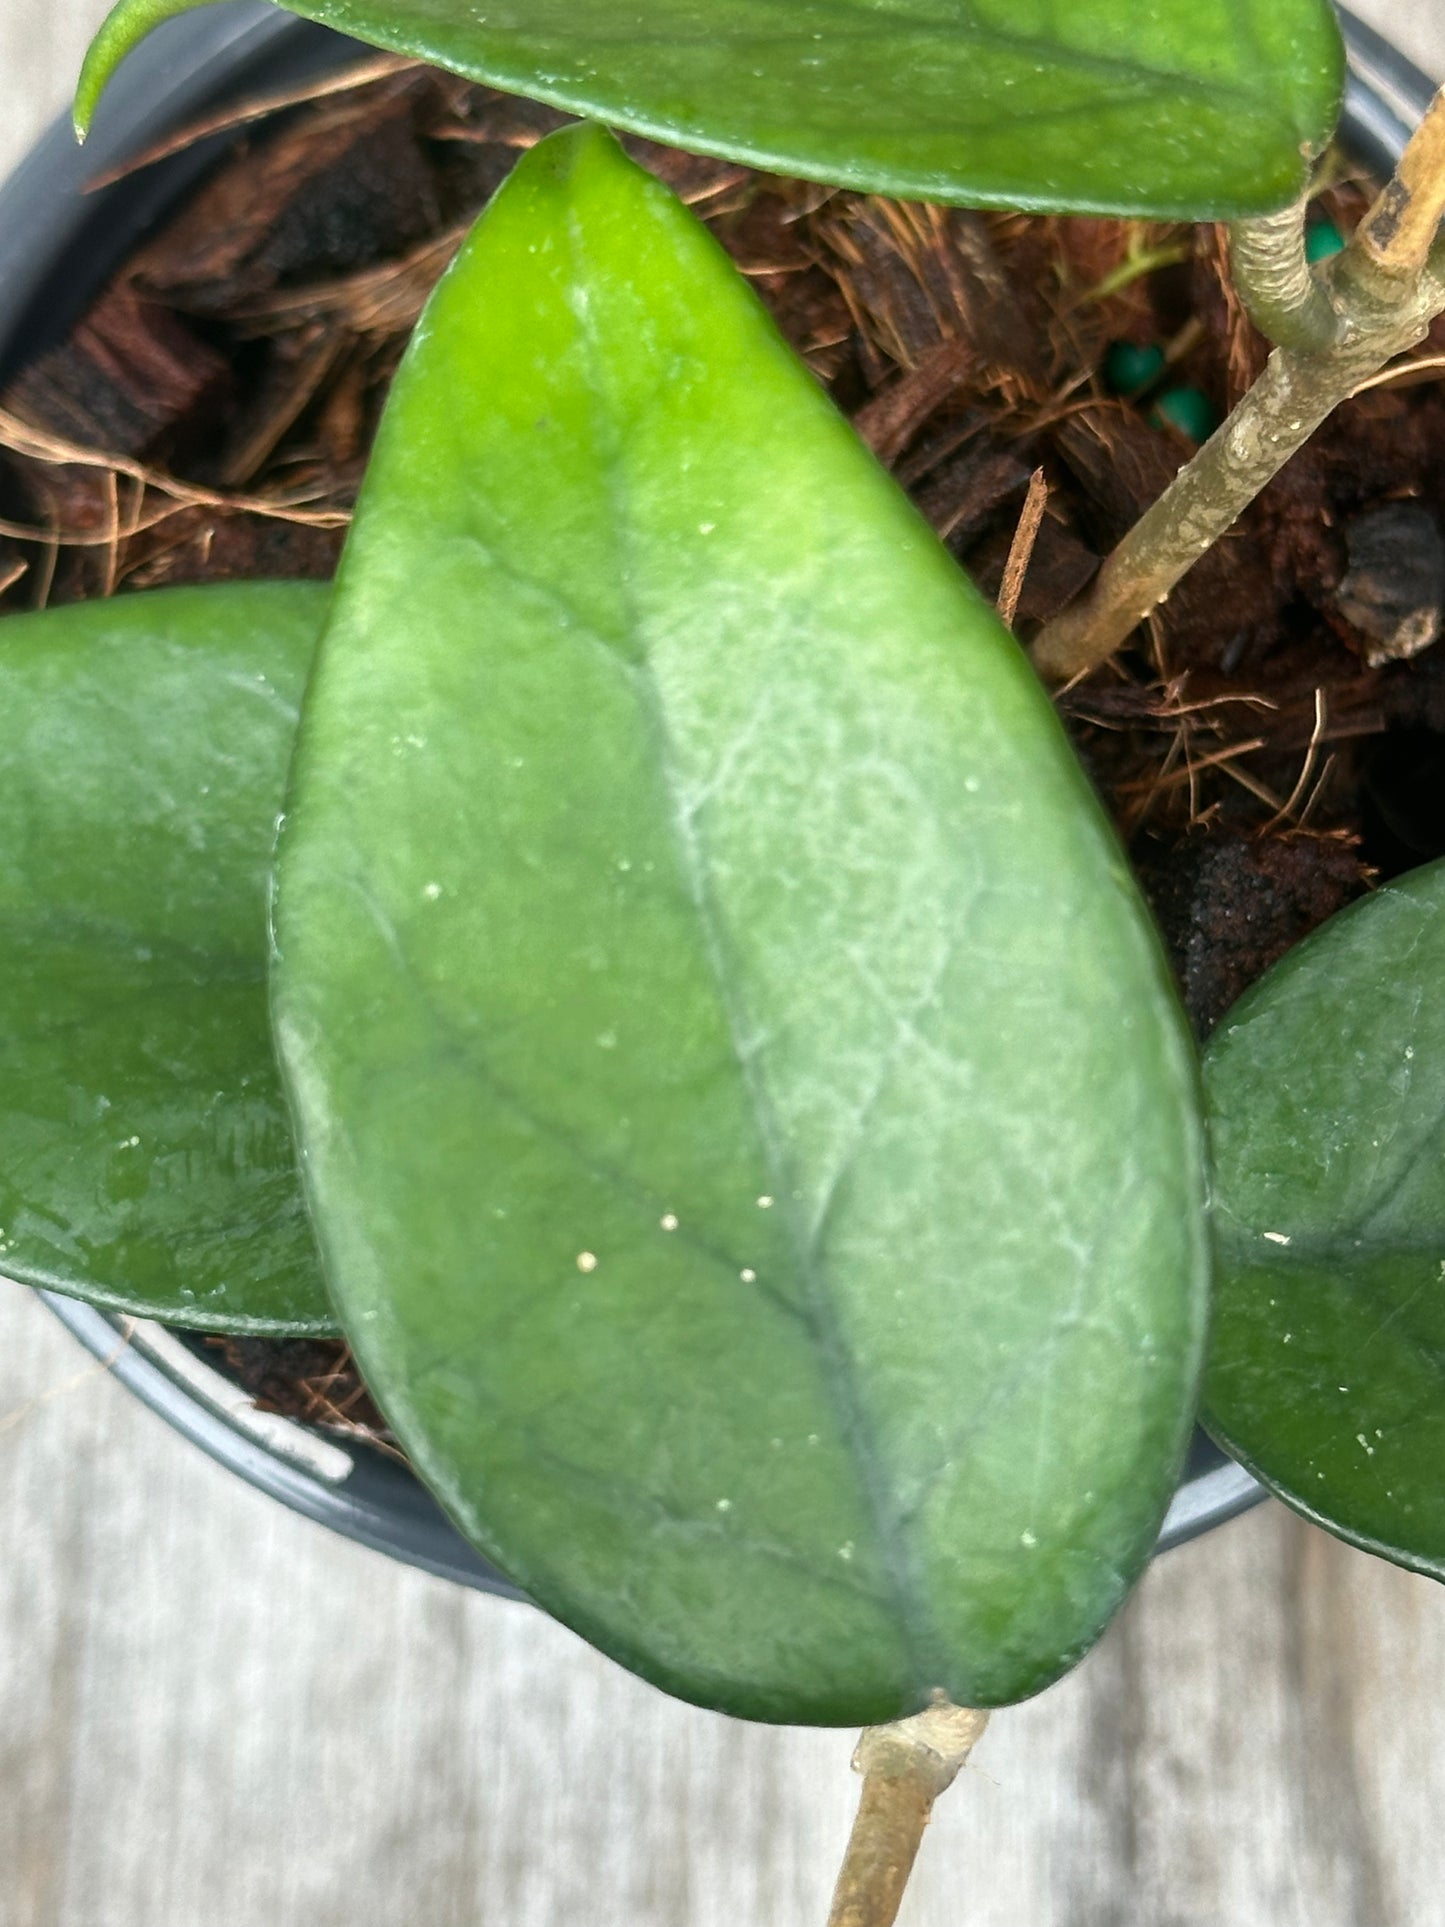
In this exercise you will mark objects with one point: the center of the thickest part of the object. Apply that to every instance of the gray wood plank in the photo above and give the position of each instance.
(214, 1715)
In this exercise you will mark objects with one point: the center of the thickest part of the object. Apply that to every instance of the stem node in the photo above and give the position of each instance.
(1333, 332)
(905, 1766)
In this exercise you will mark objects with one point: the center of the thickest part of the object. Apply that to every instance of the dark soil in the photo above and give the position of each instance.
(314, 1379)
(1274, 743)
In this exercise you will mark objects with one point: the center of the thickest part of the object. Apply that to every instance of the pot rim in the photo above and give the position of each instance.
(188, 66)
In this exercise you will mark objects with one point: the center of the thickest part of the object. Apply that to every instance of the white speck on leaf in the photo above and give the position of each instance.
(587, 1261)
(1277, 1237)
(668, 1221)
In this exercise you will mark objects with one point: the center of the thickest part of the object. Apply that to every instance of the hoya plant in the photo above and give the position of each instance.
(709, 1055)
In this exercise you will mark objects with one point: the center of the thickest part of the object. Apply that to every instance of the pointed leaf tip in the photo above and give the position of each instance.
(123, 29)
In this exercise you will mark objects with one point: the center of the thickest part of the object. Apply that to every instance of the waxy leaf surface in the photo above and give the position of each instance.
(1195, 108)
(751, 1137)
(146, 1160)
(1326, 1092)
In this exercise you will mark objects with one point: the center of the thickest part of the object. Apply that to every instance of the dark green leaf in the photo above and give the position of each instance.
(751, 1136)
(1196, 108)
(1326, 1088)
(146, 1162)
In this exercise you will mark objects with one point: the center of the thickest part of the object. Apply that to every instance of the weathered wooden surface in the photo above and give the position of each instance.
(214, 1715)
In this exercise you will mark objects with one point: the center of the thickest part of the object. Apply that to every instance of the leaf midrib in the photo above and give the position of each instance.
(1337, 1248)
(186, 963)
(1324, 1255)
(894, 27)
(836, 1366)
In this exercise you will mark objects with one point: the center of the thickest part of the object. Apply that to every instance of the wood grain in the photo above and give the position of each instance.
(215, 1715)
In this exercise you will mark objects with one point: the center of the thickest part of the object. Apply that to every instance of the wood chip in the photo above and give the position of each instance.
(889, 421)
(1022, 547)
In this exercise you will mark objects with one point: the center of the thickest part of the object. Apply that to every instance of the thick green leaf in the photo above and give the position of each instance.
(1197, 108)
(1326, 1090)
(146, 1162)
(750, 1134)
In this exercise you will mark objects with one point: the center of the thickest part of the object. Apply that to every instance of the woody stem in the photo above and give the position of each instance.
(1335, 329)
(905, 1766)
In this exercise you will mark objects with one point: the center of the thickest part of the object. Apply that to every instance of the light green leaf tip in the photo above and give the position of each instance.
(1326, 1094)
(1195, 109)
(123, 28)
(751, 1133)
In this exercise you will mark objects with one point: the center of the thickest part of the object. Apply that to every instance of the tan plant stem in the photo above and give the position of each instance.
(905, 1766)
(1278, 415)
(1384, 291)
(1397, 234)
(1269, 268)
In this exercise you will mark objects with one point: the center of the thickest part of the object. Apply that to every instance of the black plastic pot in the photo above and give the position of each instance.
(57, 246)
